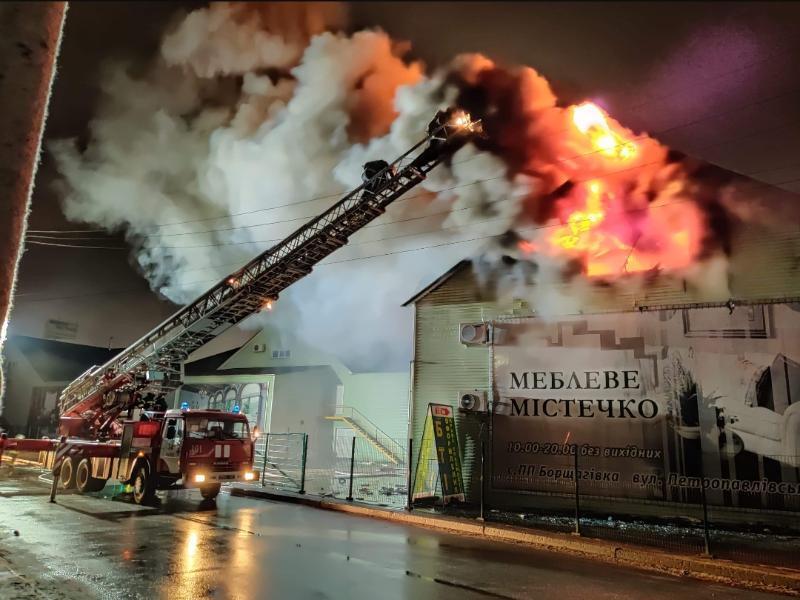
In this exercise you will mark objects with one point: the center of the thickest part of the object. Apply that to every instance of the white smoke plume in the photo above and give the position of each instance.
(255, 118)
(247, 125)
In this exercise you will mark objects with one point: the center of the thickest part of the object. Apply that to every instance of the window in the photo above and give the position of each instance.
(250, 401)
(230, 399)
(217, 429)
(281, 353)
(173, 434)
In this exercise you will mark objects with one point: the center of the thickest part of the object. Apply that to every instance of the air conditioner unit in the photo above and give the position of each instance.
(473, 334)
(259, 347)
(472, 401)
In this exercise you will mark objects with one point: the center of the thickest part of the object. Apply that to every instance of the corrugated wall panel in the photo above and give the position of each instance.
(443, 366)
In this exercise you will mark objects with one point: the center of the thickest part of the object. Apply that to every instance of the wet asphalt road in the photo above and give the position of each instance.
(89, 547)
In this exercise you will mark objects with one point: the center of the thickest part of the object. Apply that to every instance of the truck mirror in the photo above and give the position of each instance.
(171, 432)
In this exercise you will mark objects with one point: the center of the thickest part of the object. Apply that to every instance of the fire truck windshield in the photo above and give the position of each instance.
(199, 428)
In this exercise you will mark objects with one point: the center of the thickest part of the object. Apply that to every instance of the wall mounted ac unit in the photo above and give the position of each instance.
(259, 347)
(473, 334)
(472, 401)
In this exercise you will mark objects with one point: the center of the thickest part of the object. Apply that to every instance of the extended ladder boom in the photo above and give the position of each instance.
(247, 290)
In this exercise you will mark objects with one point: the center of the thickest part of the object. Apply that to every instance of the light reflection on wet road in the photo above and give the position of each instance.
(88, 547)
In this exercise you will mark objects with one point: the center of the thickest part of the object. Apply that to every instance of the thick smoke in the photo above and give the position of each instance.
(253, 119)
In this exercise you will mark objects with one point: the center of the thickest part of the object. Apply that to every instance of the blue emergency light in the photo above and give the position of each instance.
(235, 410)
(184, 405)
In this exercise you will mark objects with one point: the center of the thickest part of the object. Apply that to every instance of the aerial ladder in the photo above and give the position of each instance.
(92, 405)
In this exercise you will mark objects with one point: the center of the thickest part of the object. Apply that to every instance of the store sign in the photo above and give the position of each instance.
(655, 405)
(447, 453)
(439, 457)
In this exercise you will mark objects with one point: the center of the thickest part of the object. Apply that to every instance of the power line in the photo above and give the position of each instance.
(289, 204)
(338, 194)
(67, 231)
(37, 236)
(633, 167)
(416, 249)
(305, 218)
(126, 248)
(358, 258)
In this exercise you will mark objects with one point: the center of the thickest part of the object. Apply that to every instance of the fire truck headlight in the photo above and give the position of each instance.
(199, 478)
(249, 476)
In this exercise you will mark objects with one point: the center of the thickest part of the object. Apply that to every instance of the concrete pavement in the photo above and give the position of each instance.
(90, 547)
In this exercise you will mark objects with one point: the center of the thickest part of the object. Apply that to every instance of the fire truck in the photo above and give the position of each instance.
(105, 434)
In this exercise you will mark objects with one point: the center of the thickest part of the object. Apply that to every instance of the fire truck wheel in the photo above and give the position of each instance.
(84, 480)
(144, 489)
(209, 492)
(68, 469)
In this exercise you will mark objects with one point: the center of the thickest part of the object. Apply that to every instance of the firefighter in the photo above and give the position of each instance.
(376, 173)
(441, 119)
(148, 401)
(160, 405)
(437, 135)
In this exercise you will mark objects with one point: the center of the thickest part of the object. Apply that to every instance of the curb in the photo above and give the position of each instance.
(774, 579)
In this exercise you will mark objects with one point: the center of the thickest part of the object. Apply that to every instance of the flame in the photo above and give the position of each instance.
(612, 240)
(606, 221)
(583, 221)
(267, 305)
(462, 120)
(590, 121)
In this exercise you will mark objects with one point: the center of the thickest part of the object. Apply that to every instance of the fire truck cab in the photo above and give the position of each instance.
(204, 449)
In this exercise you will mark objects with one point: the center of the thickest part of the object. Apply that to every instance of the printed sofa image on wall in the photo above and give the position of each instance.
(767, 423)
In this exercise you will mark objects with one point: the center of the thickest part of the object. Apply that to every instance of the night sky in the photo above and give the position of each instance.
(657, 67)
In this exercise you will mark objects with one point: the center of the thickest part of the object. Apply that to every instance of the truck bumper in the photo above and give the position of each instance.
(200, 479)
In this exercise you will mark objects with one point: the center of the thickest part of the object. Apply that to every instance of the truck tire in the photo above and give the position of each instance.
(144, 489)
(209, 492)
(84, 480)
(67, 476)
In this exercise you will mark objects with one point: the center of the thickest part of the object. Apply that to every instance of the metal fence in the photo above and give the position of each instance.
(359, 468)
(569, 493)
(282, 457)
(365, 472)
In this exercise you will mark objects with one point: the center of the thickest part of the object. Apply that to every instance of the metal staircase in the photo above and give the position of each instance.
(378, 438)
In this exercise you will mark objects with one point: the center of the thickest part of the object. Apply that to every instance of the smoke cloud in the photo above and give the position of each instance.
(253, 119)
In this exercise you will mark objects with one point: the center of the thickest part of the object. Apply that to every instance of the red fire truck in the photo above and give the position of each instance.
(177, 449)
(102, 438)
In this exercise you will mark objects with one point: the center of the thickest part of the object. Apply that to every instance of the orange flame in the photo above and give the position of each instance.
(614, 241)
(591, 121)
(602, 222)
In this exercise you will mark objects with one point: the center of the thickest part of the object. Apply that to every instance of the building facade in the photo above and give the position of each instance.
(36, 371)
(285, 386)
(717, 380)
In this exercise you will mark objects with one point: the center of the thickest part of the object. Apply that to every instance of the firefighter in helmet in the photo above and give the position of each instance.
(376, 174)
